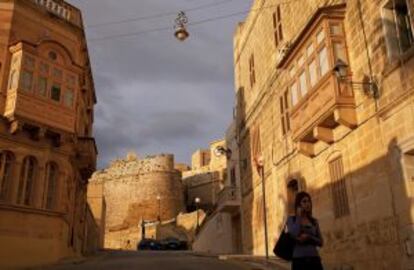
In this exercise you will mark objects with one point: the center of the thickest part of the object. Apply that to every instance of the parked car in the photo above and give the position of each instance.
(171, 243)
(149, 244)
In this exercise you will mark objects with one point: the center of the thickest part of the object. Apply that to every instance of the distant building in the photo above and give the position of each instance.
(47, 152)
(132, 192)
(343, 133)
(206, 177)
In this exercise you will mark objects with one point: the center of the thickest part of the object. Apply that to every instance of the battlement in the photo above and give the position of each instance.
(61, 9)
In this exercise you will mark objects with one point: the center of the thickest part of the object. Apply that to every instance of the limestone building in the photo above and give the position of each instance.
(47, 151)
(325, 102)
(133, 190)
(206, 177)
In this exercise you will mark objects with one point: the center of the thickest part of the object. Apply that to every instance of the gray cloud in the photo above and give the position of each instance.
(156, 94)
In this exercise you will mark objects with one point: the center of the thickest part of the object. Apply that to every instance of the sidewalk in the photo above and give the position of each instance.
(273, 262)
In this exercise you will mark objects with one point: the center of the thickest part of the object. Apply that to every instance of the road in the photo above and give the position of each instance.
(152, 260)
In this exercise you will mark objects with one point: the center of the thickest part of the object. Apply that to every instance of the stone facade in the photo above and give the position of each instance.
(206, 177)
(135, 189)
(350, 145)
(47, 152)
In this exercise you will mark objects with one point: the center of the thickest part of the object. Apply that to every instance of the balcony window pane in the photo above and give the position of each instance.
(29, 62)
(42, 86)
(313, 74)
(320, 36)
(27, 80)
(57, 73)
(292, 72)
(55, 92)
(71, 80)
(44, 68)
(310, 49)
(301, 60)
(68, 99)
(336, 29)
(294, 93)
(323, 61)
(303, 84)
(339, 51)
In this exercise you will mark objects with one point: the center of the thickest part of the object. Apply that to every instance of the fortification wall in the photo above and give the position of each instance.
(131, 187)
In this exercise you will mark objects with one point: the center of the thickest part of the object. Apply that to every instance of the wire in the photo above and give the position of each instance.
(191, 23)
(159, 15)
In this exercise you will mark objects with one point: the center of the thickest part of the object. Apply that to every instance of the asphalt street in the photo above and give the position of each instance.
(152, 260)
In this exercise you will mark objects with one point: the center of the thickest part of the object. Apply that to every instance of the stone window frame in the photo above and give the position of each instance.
(50, 191)
(27, 181)
(299, 66)
(7, 163)
(393, 42)
(277, 26)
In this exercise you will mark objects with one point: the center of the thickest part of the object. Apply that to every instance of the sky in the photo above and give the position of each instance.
(157, 94)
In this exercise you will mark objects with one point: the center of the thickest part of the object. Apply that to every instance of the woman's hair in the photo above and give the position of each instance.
(299, 198)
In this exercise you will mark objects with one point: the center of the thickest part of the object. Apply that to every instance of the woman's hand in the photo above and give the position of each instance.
(303, 237)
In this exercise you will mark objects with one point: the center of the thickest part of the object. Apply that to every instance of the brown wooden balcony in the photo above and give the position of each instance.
(86, 156)
(27, 106)
(315, 117)
(229, 200)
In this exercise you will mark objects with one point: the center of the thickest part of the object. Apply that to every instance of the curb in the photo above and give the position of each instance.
(271, 262)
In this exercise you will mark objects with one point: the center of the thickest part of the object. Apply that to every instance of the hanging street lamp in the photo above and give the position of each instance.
(181, 32)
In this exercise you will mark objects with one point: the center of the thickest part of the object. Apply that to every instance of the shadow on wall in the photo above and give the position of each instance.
(365, 216)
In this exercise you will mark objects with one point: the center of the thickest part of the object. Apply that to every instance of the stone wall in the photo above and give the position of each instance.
(131, 187)
(376, 153)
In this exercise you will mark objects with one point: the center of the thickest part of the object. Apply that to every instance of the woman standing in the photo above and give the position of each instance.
(304, 228)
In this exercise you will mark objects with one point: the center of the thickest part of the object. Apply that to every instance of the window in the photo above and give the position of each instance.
(398, 28)
(256, 145)
(233, 177)
(338, 188)
(52, 55)
(252, 71)
(27, 181)
(284, 112)
(6, 162)
(44, 68)
(313, 61)
(323, 61)
(303, 84)
(294, 93)
(42, 86)
(277, 27)
(51, 181)
(27, 80)
(55, 92)
(313, 73)
(57, 74)
(68, 98)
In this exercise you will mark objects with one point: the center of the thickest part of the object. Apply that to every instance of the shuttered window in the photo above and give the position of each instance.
(252, 71)
(277, 27)
(338, 188)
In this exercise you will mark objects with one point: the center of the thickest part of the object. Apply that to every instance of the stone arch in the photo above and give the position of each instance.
(7, 163)
(64, 56)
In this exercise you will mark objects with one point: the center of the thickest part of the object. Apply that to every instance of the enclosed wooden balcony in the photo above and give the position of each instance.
(86, 156)
(21, 106)
(325, 108)
(229, 200)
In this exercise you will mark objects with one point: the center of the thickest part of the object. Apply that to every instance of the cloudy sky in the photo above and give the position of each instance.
(156, 94)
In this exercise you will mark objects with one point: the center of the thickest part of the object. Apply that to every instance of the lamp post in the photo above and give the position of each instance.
(159, 207)
(260, 169)
(197, 201)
